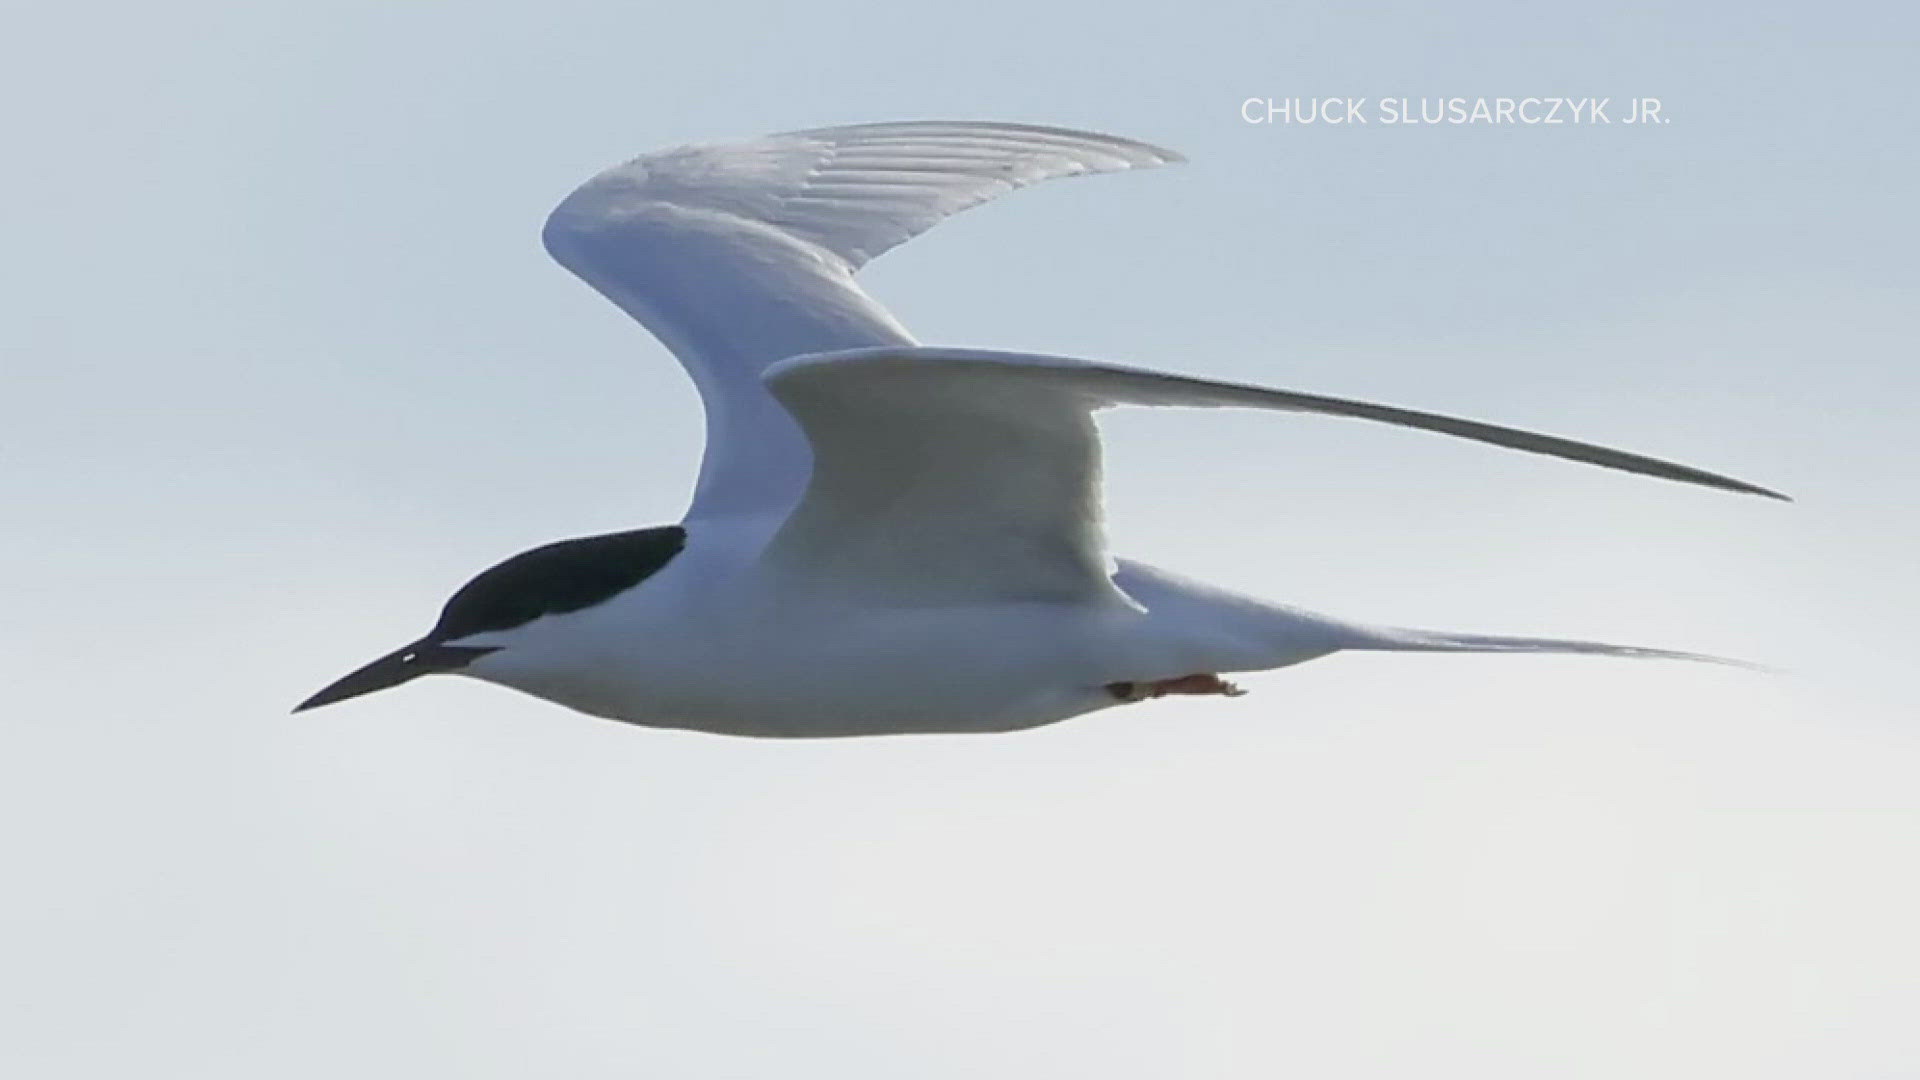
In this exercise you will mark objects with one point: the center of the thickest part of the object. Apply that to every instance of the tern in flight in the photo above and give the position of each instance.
(885, 537)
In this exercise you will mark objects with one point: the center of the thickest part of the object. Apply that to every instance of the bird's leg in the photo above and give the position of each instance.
(1185, 684)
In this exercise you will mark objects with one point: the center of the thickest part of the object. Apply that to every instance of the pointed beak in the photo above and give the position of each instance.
(401, 665)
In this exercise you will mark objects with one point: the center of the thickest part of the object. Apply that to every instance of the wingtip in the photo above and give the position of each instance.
(1137, 149)
(1766, 493)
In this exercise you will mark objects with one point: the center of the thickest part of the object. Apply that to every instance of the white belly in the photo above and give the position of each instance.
(802, 672)
(708, 644)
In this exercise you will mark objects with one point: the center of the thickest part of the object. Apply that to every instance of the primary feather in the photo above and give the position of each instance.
(739, 255)
(941, 472)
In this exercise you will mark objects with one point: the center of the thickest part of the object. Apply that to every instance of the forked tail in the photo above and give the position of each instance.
(1398, 640)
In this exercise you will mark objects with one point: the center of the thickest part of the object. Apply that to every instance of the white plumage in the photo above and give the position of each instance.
(885, 537)
(740, 255)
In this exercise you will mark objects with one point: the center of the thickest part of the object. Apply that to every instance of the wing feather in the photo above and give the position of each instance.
(742, 254)
(965, 472)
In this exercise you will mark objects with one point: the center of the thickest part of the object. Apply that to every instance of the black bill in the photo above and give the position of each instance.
(401, 665)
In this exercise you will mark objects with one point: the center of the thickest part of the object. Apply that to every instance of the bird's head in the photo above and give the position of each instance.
(484, 616)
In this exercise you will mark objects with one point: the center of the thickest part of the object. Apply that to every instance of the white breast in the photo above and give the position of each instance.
(714, 642)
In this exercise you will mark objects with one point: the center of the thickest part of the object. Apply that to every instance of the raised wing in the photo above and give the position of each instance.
(740, 255)
(951, 473)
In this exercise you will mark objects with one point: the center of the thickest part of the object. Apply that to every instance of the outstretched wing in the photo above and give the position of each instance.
(961, 473)
(740, 255)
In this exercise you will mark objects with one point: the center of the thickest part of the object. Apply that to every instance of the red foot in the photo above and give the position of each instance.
(1185, 684)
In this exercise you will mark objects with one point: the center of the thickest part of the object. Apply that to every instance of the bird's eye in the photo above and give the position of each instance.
(410, 658)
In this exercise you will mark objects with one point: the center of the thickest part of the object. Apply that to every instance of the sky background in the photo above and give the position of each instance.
(285, 365)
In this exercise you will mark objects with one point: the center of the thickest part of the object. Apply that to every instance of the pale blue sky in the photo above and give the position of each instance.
(286, 365)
